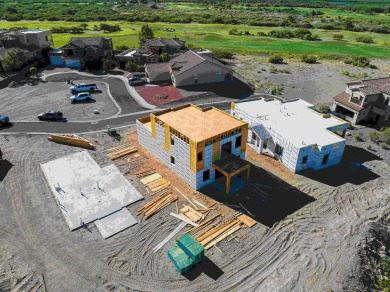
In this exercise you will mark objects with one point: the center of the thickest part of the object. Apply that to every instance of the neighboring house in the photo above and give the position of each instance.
(365, 101)
(190, 68)
(293, 132)
(79, 50)
(199, 145)
(32, 42)
(150, 51)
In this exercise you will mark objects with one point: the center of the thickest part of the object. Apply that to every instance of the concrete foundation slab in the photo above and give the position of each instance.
(84, 191)
(115, 223)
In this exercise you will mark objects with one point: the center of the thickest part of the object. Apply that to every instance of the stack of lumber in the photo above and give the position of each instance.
(158, 185)
(145, 172)
(71, 139)
(157, 204)
(245, 219)
(211, 236)
(120, 151)
(151, 178)
(190, 213)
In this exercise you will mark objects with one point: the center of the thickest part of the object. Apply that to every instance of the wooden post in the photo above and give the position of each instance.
(227, 184)
(343, 134)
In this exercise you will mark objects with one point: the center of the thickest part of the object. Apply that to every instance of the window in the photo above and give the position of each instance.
(172, 160)
(304, 159)
(278, 150)
(172, 141)
(325, 159)
(387, 100)
(253, 136)
(238, 141)
(200, 156)
(206, 175)
(196, 80)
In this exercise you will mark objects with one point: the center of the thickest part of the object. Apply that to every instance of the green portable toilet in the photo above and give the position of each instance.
(191, 247)
(180, 259)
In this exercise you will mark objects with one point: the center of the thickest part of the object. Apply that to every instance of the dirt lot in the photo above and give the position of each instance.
(26, 102)
(315, 83)
(315, 248)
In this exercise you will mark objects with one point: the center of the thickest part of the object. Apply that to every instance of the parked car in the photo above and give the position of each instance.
(50, 115)
(137, 80)
(82, 87)
(4, 120)
(80, 97)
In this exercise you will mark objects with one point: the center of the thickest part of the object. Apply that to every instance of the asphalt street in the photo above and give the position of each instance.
(63, 127)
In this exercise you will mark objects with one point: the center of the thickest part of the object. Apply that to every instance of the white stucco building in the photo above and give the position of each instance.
(293, 132)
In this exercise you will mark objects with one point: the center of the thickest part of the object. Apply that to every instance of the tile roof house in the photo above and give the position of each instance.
(190, 68)
(150, 51)
(365, 101)
(79, 50)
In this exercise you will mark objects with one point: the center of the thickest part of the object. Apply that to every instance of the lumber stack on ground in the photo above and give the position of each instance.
(245, 219)
(157, 204)
(71, 139)
(117, 148)
(191, 214)
(212, 235)
(122, 152)
(150, 178)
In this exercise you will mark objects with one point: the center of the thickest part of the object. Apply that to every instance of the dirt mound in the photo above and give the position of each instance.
(13, 84)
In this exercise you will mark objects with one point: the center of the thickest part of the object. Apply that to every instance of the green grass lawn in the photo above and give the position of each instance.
(216, 36)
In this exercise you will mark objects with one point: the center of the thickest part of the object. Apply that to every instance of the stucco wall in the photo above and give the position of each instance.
(206, 73)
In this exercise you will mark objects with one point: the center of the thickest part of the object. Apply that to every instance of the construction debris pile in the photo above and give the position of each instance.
(157, 204)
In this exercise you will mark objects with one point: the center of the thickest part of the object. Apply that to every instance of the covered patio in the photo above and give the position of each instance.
(229, 166)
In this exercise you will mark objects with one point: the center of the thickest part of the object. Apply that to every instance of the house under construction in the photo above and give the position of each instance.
(199, 145)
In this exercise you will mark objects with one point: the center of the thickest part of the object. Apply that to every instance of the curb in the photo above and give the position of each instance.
(133, 93)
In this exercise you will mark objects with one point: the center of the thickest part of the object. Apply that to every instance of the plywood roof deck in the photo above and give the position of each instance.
(200, 125)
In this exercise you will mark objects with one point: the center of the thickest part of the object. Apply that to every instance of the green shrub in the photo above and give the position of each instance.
(369, 147)
(285, 71)
(381, 137)
(33, 70)
(272, 69)
(383, 145)
(223, 54)
(275, 59)
(324, 109)
(309, 59)
(338, 36)
(365, 39)
(357, 137)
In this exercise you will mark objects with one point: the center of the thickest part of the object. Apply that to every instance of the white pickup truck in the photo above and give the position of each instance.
(82, 87)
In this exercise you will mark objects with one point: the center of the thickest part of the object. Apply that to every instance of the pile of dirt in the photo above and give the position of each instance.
(13, 84)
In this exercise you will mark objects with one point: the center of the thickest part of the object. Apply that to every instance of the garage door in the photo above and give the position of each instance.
(73, 63)
(57, 60)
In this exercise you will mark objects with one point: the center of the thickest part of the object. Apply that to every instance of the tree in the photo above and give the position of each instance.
(15, 58)
(146, 33)
(108, 65)
(275, 59)
(338, 36)
(131, 66)
(164, 57)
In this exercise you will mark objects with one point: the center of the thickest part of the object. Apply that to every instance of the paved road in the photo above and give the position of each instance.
(84, 127)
